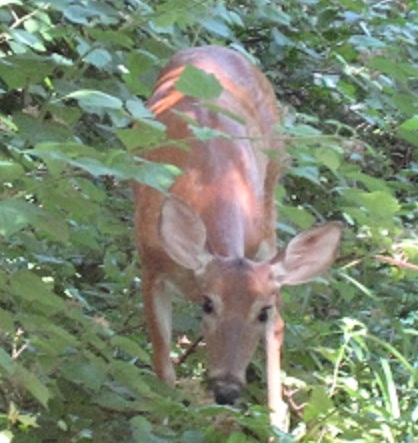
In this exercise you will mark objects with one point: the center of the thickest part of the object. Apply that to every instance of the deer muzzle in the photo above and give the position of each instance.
(226, 390)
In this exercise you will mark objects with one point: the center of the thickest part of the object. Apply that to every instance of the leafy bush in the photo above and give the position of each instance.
(74, 356)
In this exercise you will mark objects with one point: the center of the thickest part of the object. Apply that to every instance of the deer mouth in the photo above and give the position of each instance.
(226, 390)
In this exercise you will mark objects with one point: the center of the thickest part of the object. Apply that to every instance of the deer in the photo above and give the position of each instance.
(212, 237)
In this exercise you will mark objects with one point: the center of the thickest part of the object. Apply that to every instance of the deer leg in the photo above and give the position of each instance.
(158, 313)
(278, 408)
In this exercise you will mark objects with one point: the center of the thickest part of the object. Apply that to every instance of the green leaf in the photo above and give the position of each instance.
(304, 131)
(46, 335)
(115, 402)
(31, 288)
(99, 58)
(19, 71)
(298, 216)
(375, 209)
(329, 158)
(310, 173)
(237, 437)
(142, 431)
(217, 26)
(27, 39)
(113, 37)
(366, 42)
(10, 170)
(34, 130)
(69, 115)
(90, 373)
(391, 66)
(406, 103)
(269, 12)
(178, 13)
(130, 376)
(319, 404)
(97, 168)
(27, 421)
(92, 99)
(30, 382)
(146, 134)
(79, 14)
(138, 110)
(25, 379)
(193, 436)
(6, 362)
(380, 204)
(6, 321)
(61, 151)
(372, 183)
(130, 347)
(411, 124)
(409, 136)
(15, 215)
(139, 64)
(389, 389)
(157, 175)
(197, 83)
(204, 133)
(280, 39)
(327, 16)
(121, 166)
(8, 123)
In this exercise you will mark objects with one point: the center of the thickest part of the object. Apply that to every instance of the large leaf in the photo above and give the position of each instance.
(35, 130)
(91, 373)
(31, 288)
(10, 170)
(6, 321)
(379, 207)
(33, 384)
(116, 163)
(199, 84)
(15, 215)
(130, 347)
(319, 404)
(48, 337)
(7, 364)
(18, 71)
(24, 378)
(408, 130)
(27, 39)
(146, 134)
(95, 101)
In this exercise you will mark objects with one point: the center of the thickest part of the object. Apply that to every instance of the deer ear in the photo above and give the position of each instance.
(308, 255)
(183, 234)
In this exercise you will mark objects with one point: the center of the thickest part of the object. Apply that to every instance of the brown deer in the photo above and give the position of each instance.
(213, 238)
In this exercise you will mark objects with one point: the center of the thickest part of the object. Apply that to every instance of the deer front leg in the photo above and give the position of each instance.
(158, 313)
(279, 416)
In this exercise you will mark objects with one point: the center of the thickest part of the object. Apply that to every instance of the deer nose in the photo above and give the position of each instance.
(226, 391)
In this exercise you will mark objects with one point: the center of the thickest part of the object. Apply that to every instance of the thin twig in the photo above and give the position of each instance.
(289, 395)
(396, 262)
(18, 21)
(189, 350)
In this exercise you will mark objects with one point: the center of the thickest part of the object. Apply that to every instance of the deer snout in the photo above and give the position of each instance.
(226, 390)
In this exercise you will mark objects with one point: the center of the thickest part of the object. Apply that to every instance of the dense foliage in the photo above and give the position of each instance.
(74, 355)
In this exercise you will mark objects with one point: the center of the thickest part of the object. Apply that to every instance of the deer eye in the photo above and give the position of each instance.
(263, 315)
(207, 305)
